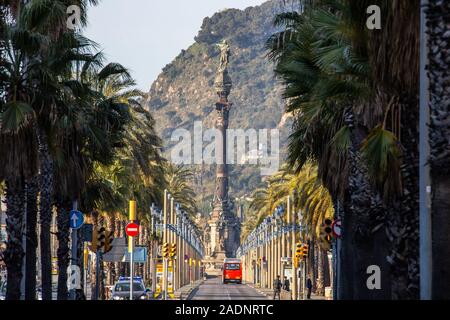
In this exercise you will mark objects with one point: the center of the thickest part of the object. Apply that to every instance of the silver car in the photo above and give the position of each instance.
(121, 291)
(2, 290)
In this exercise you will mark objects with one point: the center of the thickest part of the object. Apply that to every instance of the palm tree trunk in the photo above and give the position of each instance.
(45, 213)
(320, 273)
(111, 226)
(117, 234)
(123, 266)
(63, 236)
(31, 242)
(439, 57)
(403, 218)
(364, 241)
(13, 256)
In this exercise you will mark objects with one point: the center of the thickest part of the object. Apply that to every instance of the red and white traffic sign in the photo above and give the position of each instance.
(337, 228)
(132, 229)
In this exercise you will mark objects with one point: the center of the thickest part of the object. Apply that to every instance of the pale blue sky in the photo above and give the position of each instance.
(145, 35)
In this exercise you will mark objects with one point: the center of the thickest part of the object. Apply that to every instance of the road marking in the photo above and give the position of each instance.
(228, 294)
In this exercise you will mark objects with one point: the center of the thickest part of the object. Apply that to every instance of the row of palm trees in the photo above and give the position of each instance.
(72, 129)
(311, 199)
(353, 93)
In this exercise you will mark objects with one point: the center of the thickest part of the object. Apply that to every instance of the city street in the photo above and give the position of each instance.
(214, 289)
(300, 148)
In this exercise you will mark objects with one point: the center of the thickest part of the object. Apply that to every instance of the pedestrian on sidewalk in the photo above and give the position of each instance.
(309, 287)
(277, 288)
(287, 284)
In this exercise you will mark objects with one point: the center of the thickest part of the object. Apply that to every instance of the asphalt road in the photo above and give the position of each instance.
(214, 289)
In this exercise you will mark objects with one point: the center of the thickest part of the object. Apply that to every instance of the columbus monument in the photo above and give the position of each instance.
(222, 235)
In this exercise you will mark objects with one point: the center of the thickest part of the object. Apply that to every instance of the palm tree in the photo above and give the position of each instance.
(347, 105)
(309, 196)
(17, 137)
(179, 186)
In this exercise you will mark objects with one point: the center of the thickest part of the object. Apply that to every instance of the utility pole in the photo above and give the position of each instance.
(425, 222)
(165, 237)
(291, 212)
(172, 242)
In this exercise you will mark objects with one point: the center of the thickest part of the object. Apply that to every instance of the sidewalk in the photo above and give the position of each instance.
(284, 295)
(184, 292)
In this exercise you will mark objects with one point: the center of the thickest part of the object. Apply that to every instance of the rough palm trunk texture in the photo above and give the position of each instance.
(31, 243)
(45, 213)
(13, 257)
(364, 241)
(63, 251)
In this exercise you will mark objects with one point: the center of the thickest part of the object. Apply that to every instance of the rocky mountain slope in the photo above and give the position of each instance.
(183, 93)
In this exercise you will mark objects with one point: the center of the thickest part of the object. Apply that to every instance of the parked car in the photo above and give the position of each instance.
(121, 290)
(2, 290)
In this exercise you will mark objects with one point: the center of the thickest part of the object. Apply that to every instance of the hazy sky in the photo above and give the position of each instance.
(145, 35)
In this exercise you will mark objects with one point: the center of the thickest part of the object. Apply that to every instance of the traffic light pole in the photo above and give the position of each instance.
(293, 247)
(305, 289)
(85, 265)
(165, 264)
(98, 257)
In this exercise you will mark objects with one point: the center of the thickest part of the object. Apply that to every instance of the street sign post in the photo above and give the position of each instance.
(76, 220)
(132, 230)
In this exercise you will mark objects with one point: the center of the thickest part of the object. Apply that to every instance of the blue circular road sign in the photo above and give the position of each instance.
(76, 219)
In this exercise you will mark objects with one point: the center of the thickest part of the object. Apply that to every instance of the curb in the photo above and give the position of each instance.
(190, 292)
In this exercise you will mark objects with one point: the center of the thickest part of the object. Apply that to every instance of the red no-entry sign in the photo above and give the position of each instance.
(337, 228)
(132, 229)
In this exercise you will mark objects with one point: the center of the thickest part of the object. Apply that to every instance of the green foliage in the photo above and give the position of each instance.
(308, 194)
(382, 152)
(15, 116)
(322, 58)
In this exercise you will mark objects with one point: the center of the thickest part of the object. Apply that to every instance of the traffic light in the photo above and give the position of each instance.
(101, 238)
(109, 237)
(298, 250)
(305, 250)
(328, 229)
(165, 250)
(326, 234)
(173, 250)
(98, 239)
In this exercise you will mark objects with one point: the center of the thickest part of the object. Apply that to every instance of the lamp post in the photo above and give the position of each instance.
(425, 222)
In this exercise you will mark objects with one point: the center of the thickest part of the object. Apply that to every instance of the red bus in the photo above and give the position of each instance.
(232, 270)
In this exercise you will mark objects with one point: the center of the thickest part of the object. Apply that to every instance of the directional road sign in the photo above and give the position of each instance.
(76, 219)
